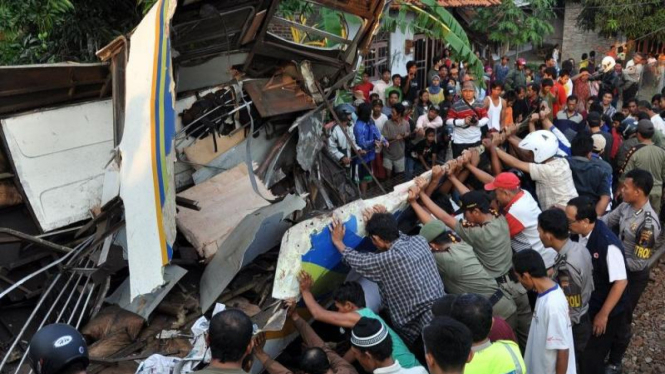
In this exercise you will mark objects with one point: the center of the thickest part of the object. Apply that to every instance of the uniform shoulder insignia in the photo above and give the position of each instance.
(466, 223)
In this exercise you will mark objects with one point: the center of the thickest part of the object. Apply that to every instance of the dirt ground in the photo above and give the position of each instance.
(646, 354)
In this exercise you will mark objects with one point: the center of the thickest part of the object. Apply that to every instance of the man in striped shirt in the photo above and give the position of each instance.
(467, 116)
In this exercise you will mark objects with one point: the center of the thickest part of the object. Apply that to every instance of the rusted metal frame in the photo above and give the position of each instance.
(35, 240)
(41, 300)
(305, 52)
(107, 209)
(348, 139)
(261, 34)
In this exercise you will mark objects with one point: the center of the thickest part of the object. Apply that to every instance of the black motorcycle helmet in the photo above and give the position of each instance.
(56, 346)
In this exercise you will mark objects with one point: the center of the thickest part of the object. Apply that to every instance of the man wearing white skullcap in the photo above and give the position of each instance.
(372, 346)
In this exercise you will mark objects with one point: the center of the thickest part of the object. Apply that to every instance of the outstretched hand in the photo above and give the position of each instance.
(305, 281)
(337, 231)
(259, 341)
(437, 172)
(420, 182)
(413, 194)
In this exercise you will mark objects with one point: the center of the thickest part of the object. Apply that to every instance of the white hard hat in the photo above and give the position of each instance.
(542, 143)
(607, 64)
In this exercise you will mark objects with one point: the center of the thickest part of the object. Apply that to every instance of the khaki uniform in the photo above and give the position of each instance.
(492, 246)
(462, 273)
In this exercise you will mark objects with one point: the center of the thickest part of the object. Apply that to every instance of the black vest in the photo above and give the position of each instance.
(602, 237)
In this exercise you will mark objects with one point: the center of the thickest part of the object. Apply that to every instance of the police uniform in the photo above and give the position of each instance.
(492, 244)
(637, 230)
(573, 270)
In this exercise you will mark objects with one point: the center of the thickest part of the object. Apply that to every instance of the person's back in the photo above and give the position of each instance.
(554, 182)
(475, 312)
(409, 269)
(404, 269)
(524, 213)
(462, 273)
(500, 357)
(652, 159)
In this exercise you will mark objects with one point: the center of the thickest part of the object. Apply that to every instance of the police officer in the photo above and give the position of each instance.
(573, 270)
(58, 349)
(487, 232)
(608, 302)
(638, 227)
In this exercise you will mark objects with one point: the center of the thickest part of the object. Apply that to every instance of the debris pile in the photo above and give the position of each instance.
(158, 184)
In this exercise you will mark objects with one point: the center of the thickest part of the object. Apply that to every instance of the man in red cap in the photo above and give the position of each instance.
(521, 212)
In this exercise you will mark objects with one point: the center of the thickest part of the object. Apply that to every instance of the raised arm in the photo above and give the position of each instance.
(512, 161)
(439, 213)
(346, 320)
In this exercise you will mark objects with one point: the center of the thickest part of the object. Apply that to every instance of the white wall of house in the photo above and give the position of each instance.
(398, 57)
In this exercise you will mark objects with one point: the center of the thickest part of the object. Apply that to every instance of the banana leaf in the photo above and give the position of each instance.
(433, 22)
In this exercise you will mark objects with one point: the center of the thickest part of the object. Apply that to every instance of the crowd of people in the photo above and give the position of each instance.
(535, 239)
(530, 248)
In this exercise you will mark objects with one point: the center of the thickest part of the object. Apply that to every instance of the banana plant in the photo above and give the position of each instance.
(437, 23)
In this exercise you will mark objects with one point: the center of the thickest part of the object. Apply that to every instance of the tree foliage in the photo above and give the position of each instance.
(40, 31)
(436, 23)
(632, 18)
(509, 24)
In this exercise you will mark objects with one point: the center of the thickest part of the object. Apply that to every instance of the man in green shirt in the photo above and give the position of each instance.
(462, 272)
(649, 157)
(349, 300)
(489, 236)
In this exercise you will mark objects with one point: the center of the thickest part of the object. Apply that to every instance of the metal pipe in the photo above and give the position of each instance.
(25, 326)
(30, 276)
(35, 240)
(85, 305)
(48, 314)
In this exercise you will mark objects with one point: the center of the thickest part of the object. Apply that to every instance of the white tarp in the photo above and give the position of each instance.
(147, 152)
(59, 156)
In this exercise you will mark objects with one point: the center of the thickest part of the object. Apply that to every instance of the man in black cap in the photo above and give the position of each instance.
(372, 347)
(647, 156)
(489, 235)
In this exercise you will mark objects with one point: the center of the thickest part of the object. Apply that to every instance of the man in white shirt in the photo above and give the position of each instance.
(609, 302)
(379, 118)
(553, 176)
(383, 83)
(632, 74)
(656, 119)
(550, 348)
(372, 347)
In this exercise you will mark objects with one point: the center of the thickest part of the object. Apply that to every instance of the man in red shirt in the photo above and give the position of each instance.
(365, 86)
(558, 90)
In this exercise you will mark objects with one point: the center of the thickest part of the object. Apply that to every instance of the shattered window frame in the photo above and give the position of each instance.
(333, 42)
